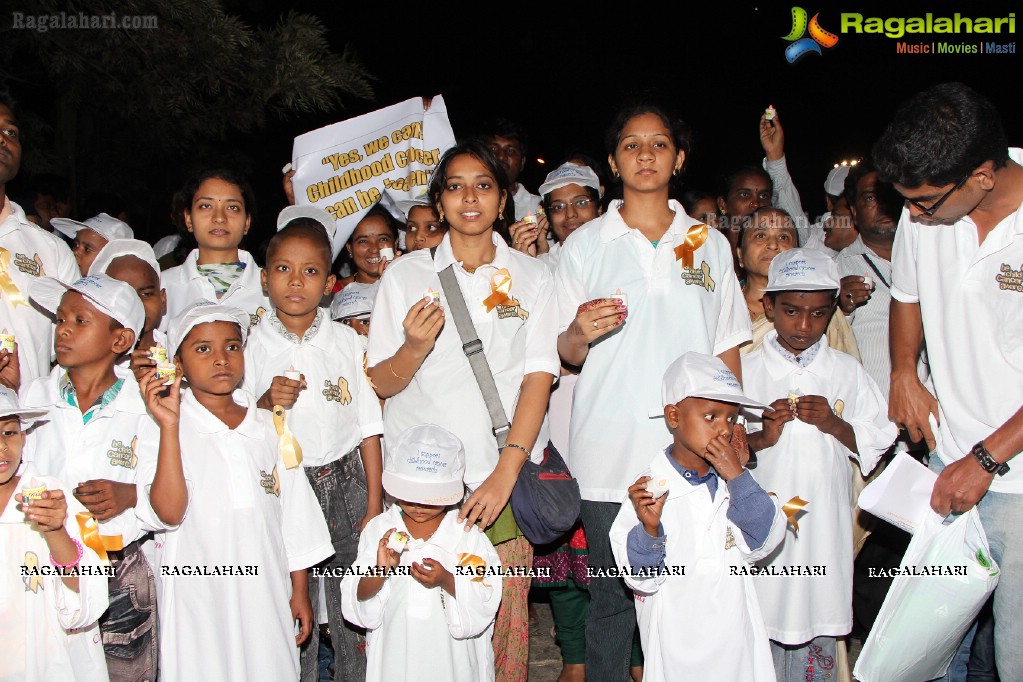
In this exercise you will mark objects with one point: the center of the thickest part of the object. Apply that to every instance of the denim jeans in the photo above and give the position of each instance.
(1002, 516)
(340, 488)
(129, 625)
(611, 621)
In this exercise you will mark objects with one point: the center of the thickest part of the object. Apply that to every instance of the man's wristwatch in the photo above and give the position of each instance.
(987, 462)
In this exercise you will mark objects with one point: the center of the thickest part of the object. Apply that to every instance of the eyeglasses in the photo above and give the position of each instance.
(929, 212)
(561, 206)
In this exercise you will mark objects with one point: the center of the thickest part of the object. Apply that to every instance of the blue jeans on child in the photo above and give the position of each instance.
(340, 488)
(1002, 516)
(129, 625)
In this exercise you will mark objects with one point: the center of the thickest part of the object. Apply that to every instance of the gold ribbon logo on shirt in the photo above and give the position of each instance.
(695, 238)
(33, 579)
(476, 565)
(791, 509)
(500, 286)
(7, 285)
(101, 544)
(291, 451)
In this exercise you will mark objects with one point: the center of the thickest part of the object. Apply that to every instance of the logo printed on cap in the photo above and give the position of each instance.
(429, 462)
(727, 378)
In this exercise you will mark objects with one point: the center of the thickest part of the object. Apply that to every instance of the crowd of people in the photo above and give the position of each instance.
(229, 465)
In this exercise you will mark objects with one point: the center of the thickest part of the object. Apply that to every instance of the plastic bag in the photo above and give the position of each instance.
(928, 612)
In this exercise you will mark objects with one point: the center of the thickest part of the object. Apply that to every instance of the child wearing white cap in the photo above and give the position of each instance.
(51, 585)
(89, 237)
(241, 529)
(310, 370)
(133, 261)
(825, 410)
(696, 522)
(95, 414)
(425, 588)
(352, 307)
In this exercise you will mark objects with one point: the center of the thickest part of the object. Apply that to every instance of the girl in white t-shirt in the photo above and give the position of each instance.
(218, 216)
(417, 362)
(52, 587)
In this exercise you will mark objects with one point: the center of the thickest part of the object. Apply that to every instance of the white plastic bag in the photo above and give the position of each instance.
(927, 613)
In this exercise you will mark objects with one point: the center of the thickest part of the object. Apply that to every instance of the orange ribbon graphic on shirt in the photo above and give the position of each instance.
(7, 284)
(476, 565)
(291, 451)
(101, 544)
(695, 238)
(791, 509)
(500, 285)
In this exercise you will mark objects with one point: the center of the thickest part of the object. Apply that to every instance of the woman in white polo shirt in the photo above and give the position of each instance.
(218, 216)
(676, 285)
(417, 363)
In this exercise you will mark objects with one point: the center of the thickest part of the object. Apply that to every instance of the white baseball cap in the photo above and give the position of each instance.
(200, 313)
(111, 297)
(425, 464)
(802, 270)
(568, 174)
(289, 213)
(355, 300)
(166, 245)
(835, 183)
(123, 247)
(106, 226)
(10, 407)
(696, 375)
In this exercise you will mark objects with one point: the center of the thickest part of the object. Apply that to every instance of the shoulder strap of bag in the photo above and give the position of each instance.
(473, 349)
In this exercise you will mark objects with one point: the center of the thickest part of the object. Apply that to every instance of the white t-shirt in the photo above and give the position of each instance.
(413, 634)
(724, 611)
(248, 513)
(31, 252)
(104, 448)
(185, 285)
(808, 463)
(971, 302)
(338, 409)
(525, 202)
(617, 415)
(519, 338)
(49, 632)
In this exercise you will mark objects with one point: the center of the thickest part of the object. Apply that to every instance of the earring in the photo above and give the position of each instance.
(615, 173)
(440, 214)
(675, 172)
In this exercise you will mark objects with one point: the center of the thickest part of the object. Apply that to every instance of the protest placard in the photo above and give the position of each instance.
(345, 168)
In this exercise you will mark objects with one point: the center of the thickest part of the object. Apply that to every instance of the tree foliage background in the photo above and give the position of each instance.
(134, 111)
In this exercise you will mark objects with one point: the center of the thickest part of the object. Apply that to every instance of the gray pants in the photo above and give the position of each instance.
(340, 488)
(611, 621)
(816, 660)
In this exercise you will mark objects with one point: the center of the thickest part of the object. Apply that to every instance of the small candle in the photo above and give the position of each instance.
(293, 374)
(387, 253)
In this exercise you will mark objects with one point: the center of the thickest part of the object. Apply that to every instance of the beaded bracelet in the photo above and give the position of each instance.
(513, 445)
(64, 567)
(396, 375)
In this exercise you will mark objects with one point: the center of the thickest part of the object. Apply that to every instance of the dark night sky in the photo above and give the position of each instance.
(563, 73)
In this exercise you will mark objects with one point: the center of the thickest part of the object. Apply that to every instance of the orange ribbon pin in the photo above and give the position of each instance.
(500, 286)
(101, 544)
(791, 509)
(695, 238)
(7, 284)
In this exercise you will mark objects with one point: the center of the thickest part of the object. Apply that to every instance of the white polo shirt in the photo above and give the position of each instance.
(104, 448)
(32, 253)
(248, 513)
(185, 285)
(617, 416)
(338, 408)
(519, 338)
(971, 301)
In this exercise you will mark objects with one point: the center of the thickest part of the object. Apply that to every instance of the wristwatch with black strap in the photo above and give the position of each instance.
(987, 462)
